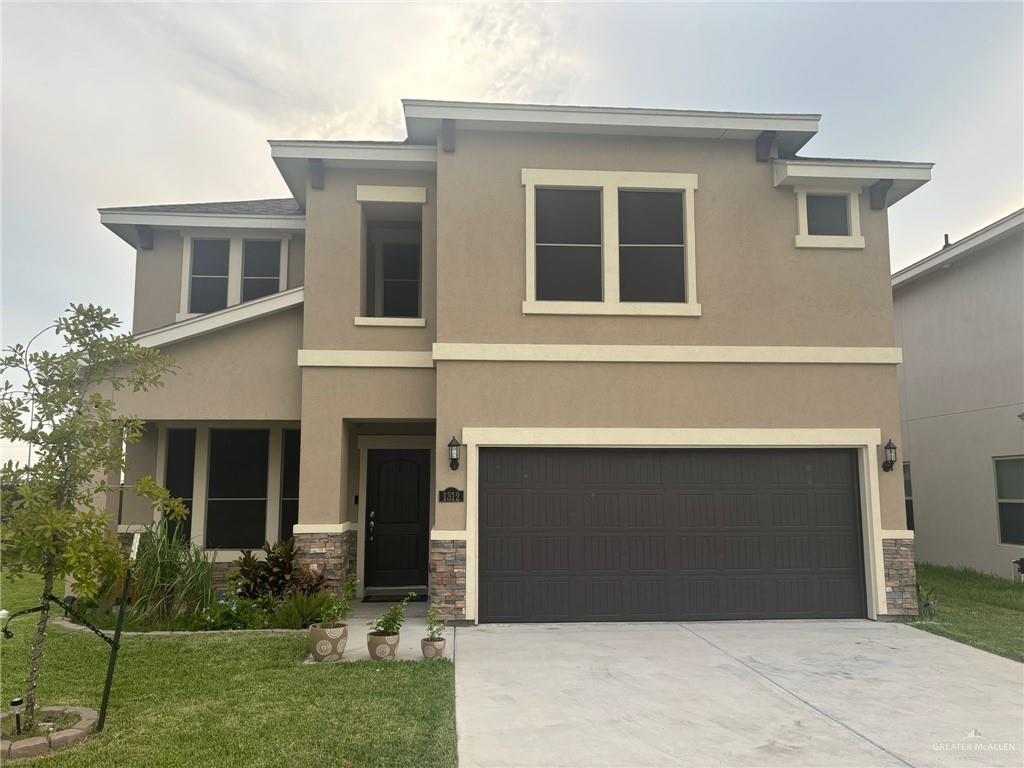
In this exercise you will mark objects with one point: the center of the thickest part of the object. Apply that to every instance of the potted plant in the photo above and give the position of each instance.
(328, 638)
(382, 640)
(433, 644)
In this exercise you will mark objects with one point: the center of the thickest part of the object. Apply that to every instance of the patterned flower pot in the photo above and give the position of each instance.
(327, 641)
(382, 647)
(432, 649)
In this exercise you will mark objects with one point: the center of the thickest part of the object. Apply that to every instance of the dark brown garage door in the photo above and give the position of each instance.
(653, 535)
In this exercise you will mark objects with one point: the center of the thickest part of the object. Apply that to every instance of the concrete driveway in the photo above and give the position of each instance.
(782, 693)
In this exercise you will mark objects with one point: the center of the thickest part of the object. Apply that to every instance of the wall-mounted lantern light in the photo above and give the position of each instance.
(454, 449)
(890, 456)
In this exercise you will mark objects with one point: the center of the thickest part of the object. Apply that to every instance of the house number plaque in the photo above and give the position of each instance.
(451, 494)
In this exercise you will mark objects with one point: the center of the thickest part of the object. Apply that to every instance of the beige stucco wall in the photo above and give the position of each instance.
(158, 275)
(962, 388)
(248, 371)
(335, 279)
(141, 461)
(755, 287)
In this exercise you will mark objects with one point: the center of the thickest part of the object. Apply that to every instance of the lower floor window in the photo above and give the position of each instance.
(1010, 498)
(908, 495)
(236, 504)
(289, 482)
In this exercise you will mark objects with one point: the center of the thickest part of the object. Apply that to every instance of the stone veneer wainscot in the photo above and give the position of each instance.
(333, 554)
(448, 578)
(900, 577)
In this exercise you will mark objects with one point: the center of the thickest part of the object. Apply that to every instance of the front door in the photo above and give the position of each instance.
(397, 518)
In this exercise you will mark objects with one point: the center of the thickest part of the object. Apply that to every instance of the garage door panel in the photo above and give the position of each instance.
(660, 534)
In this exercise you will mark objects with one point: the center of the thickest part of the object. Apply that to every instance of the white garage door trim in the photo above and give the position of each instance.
(866, 441)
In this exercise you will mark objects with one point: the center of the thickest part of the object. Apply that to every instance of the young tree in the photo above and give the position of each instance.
(54, 522)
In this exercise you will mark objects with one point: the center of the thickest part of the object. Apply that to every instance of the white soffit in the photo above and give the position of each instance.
(830, 173)
(423, 119)
(125, 224)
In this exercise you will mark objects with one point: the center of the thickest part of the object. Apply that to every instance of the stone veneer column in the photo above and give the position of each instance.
(448, 578)
(332, 554)
(900, 577)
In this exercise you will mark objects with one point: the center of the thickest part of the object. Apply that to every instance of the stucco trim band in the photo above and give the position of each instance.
(371, 194)
(866, 441)
(438, 535)
(323, 527)
(364, 358)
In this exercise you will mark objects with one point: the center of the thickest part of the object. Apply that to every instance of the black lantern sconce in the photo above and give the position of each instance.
(890, 456)
(454, 451)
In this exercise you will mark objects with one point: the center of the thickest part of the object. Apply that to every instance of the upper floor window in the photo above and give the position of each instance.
(610, 243)
(828, 218)
(219, 272)
(1010, 498)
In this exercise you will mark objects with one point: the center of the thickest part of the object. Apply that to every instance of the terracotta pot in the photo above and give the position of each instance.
(432, 649)
(382, 647)
(327, 641)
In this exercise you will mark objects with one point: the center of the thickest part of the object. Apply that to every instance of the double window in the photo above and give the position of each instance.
(1010, 499)
(608, 242)
(219, 272)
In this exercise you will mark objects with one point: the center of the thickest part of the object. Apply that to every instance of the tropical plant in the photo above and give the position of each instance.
(248, 581)
(172, 576)
(275, 576)
(390, 622)
(435, 626)
(58, 404)
(299, 610)
(336, 610)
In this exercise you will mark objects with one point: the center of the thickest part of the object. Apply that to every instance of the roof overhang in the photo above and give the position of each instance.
(225, 318)
(993, 233)
(293, 158)
(830, 173)
(423, 122)
(126, 224)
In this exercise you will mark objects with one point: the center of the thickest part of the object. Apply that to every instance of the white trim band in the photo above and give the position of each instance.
(390, 322)
(323, 527)
(363, 358)
(370, 194)
(437, 535)
(897, 534)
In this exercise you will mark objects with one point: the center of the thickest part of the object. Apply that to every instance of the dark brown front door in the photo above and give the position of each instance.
(654, 535)
(397, 517)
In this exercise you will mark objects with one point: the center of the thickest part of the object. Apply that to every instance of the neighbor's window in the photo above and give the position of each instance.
(289, 482)
(828, 215)
(1010, 497)
(179, 474)
(236, 504)
(394, 256)
(208, 288)
(652, 251)
(568, 245)
(261, 268)
(908, 495)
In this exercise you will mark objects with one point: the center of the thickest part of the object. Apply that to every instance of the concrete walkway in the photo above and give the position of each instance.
(784, 693)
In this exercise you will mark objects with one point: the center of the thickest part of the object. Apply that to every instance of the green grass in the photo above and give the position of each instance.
(976, 609)
(235, 700)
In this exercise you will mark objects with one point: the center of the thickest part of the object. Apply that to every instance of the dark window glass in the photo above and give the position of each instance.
(827, 215)
(401, 261)
(908, 486)
(565, 273)
(179, 474)
(290, 482)
(210, 257)
(208, 294)
(236, 509)
(1010, 492)
(569, 216)
(652, 256)
(1011, 522)
(208, 289)
(650, 218)
(393, 270)
(1010, 478)
(910, 513)
(261, 268)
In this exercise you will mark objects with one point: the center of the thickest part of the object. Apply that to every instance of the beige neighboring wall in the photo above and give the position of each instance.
(335, 264)
(962, 389)
(661, 396)
(247, 371)
(754, 286)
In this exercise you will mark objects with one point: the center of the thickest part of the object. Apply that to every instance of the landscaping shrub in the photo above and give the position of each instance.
(274, 578)
(171, 576)
(235, 612)
(300, 610)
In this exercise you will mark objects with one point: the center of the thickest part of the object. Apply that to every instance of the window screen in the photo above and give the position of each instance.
(208, 289)
(828, 215)
(289, 482)
(179, 474)
(908, 495)
(261, 268)
(568, 237)
(1010, 496)
(393, 269)
(236, 505)
(652, 255)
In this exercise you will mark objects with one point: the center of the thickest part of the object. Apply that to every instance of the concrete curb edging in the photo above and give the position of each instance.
(52, 742)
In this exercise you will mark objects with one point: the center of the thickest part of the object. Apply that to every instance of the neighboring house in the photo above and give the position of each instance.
(960, 321)
(659, 342)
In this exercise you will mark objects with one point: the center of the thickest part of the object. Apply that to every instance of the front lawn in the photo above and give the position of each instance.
(974, 608)
(235, 700)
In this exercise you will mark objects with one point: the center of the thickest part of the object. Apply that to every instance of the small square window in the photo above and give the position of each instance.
(568, 236)
(828, 215)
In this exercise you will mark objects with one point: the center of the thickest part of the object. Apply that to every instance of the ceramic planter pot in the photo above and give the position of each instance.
(382, 647)
(327, 641)
(432, 649)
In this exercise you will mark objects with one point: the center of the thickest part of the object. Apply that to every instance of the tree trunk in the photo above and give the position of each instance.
(37, 649)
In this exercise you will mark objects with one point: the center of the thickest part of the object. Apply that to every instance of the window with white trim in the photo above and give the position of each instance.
(1010, 498)
(220, 271)
(610, 242)
(828, 218)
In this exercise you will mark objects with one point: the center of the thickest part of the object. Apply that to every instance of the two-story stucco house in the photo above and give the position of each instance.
(546, 363)
(960, 321)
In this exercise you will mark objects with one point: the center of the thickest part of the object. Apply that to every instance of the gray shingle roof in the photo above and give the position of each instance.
(282, 206)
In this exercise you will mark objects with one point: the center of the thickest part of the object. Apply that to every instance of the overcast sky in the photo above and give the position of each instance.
(134, 104)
